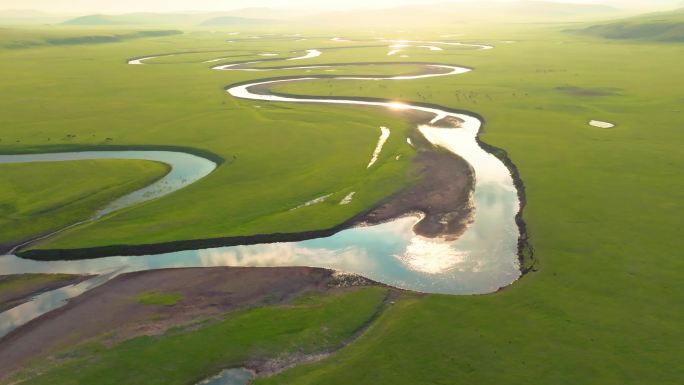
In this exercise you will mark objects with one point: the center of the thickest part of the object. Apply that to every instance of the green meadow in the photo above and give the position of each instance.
(38, 198)
(604, 206)
(604, 210)
(83, 97)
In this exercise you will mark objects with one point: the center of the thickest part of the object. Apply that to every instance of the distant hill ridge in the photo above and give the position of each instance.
(238, 22)
(427, 14)
(22, 16)
(133, 19)
(470, 12)
(662, 26)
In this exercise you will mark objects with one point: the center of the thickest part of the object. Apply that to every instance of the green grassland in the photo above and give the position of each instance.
(278, 156)
(604, 207)
(187, 355)
(37, 198)
(604, 212)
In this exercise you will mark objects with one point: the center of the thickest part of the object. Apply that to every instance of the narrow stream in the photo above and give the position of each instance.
(483, 260)
(185, 170)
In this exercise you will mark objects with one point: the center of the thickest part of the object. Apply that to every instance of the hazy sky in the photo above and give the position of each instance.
(118, 6)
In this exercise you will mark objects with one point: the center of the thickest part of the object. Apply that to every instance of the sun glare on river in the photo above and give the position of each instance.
(398, 106)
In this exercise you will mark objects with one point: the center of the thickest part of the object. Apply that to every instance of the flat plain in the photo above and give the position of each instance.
(604, 206)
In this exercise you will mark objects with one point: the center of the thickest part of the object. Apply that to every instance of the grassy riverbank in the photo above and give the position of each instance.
(38, 198)
(604, 205)
(312, 323)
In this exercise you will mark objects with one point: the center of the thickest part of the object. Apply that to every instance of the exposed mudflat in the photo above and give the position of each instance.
(112, 308)
(442, 193)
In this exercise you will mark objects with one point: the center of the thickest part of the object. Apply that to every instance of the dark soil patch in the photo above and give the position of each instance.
(442, 194)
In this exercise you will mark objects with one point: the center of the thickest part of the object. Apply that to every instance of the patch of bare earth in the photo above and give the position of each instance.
(442, 193)
(112, 310)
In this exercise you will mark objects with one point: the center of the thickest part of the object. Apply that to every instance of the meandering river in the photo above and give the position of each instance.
(482, 260)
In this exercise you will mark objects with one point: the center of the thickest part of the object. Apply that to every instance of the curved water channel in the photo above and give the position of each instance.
(482, 260)
(185, 169)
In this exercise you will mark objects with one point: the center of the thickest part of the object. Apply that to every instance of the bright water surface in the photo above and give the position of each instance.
(230, 377)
